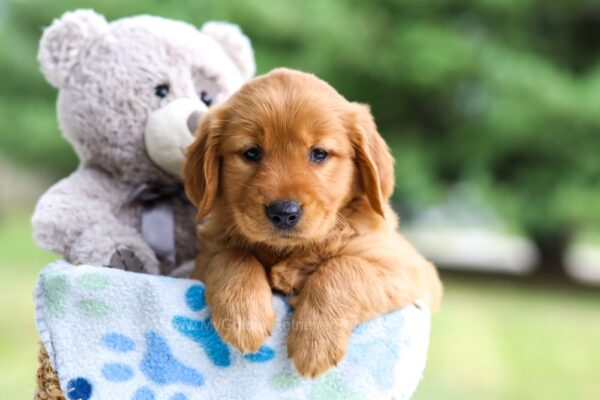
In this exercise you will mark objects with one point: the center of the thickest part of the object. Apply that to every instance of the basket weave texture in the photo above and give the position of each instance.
(48, 387)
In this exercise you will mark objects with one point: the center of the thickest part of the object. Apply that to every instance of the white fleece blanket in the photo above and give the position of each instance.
(115, 335)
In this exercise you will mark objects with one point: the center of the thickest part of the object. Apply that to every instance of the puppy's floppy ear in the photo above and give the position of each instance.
(201, 169)
(375, 163)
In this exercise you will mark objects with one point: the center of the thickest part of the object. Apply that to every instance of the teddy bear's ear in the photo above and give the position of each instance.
(235, 43)
(62, 41)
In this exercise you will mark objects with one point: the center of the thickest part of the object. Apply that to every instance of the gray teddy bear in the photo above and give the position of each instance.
(130, 94)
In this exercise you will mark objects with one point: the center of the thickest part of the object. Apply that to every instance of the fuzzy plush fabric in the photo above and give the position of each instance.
(112, 334)
(113, 80)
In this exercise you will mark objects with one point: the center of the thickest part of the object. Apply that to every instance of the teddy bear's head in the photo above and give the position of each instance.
(131, 91)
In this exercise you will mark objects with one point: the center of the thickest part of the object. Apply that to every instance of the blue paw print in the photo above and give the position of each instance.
(159, 366)
(145, 393)
(79, 389)
(203, 333)
(378, 356)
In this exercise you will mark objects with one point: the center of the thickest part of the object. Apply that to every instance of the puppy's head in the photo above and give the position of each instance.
(283, 156)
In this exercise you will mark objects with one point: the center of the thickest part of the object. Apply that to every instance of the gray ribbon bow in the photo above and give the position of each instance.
(158, 218)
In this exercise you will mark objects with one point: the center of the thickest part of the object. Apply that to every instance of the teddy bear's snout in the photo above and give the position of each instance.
(170, 129)
(193, 121)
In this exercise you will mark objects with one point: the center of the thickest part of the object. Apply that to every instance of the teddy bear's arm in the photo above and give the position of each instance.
(75, 218)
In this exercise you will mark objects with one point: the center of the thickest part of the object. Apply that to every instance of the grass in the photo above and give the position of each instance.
(20, 261)
(494, 339)
(511, 340)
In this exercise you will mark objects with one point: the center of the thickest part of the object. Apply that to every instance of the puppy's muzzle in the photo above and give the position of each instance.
(284, 214)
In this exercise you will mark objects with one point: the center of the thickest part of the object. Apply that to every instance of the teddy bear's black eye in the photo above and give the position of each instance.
(161, 91)
(206, 98)
(318, 155)
(252, 154)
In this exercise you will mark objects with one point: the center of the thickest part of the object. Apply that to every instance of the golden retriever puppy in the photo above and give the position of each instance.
(292, 183)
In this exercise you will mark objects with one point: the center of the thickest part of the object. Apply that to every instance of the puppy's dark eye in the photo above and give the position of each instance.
(318, 155)
(161, 91)
(252, 154)
(206, 98)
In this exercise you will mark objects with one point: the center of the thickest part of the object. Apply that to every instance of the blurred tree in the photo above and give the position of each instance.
(501, 94)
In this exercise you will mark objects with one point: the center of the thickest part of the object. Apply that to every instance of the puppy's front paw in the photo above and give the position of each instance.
(245, 321)
(316, 344)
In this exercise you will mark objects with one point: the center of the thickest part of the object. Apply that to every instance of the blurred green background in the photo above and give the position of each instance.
(492, 109)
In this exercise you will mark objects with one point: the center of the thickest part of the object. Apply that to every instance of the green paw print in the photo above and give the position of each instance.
(55, 292)
(328, 387)
(285, 380)
(93, 308)
(56, 289)
(92, 281)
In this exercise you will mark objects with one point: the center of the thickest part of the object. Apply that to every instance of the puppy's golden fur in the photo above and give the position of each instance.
(344, 260)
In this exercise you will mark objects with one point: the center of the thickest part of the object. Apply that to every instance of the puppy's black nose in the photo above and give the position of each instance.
(284, 214)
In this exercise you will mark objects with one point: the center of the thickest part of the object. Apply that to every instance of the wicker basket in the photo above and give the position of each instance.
(48, 387)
